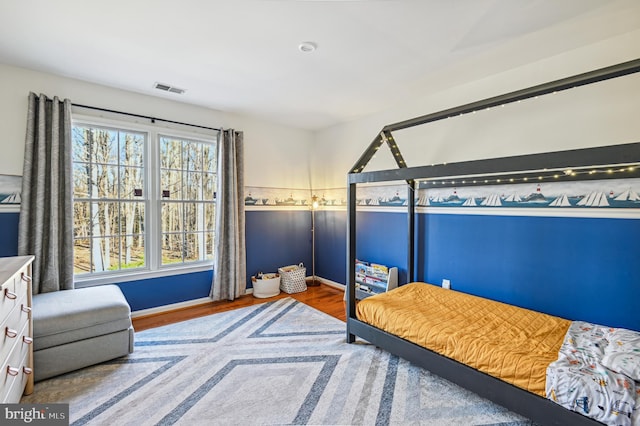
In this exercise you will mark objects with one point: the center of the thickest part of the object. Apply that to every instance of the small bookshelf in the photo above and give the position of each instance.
(374, 278)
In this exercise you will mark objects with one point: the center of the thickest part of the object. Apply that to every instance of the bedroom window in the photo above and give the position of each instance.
(143, 202)
(188, 181)
(110, 199)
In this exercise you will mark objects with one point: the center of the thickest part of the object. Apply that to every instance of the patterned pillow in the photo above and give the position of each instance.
(622, 354)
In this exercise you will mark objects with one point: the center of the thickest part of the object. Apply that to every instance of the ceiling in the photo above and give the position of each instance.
(242, 56)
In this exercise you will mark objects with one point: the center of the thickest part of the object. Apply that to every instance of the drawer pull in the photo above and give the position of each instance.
(9, 295)
(27, 340)
(26, 309)
(27, 370)
(10, 332)
(26, 277)
(12, 371)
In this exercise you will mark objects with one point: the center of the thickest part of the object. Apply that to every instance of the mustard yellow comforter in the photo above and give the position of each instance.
(507, 342)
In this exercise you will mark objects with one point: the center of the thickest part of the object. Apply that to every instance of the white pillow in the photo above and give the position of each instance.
(622, 354)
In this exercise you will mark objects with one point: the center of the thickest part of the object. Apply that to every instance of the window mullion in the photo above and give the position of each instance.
(155, 210)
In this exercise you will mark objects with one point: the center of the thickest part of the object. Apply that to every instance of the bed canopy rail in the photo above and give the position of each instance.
(613, 161)
(573, 164)
(583, 79)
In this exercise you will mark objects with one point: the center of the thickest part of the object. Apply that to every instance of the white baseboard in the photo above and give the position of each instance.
(171, 307)
(331, 283)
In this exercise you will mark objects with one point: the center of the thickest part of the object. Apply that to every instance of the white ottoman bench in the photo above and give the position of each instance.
(77, 328)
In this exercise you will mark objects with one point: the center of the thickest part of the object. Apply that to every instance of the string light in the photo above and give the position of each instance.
(568, 174)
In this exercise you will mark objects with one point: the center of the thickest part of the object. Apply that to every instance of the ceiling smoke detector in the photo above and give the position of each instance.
(307, 46)
(168, 88)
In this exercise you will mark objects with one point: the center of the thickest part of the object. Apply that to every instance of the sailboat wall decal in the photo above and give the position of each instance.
(470, 202)
(594, 199)
(595, 194)
(603, 198)
(561, 201)
(493, 200)
(628, 195)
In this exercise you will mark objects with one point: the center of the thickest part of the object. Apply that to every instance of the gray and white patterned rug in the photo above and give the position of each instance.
(280, 362)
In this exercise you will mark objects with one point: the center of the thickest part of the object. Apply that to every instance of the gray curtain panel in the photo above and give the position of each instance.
(229, 260)
(46, 210)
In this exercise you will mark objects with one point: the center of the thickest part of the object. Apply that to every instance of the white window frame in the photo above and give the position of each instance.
(153, 231)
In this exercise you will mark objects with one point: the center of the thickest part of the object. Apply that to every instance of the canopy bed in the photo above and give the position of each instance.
(384, 320)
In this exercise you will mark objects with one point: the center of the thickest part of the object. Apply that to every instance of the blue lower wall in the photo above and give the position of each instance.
(577, 268)
(154, 292)
(277, 238)
(381, 238)
(331, 245)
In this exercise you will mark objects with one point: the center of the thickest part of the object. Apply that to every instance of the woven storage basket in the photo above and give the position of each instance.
(265, 285)
(292, 278)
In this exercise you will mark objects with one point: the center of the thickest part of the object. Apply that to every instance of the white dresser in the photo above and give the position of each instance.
(16, 345)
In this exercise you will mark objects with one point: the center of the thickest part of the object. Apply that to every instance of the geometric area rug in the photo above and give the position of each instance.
(279, 362)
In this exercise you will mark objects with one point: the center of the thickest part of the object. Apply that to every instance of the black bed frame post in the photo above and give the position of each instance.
(351, 259)
(387, 137)
(411, 223)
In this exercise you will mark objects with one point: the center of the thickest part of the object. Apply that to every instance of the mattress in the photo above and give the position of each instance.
(513, 344)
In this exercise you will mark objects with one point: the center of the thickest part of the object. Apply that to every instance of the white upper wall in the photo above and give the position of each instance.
(275, 155)
(605, 113)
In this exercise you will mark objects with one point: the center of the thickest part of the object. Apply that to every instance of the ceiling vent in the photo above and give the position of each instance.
(168, 88)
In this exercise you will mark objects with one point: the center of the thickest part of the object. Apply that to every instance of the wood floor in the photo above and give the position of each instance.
(322, 297)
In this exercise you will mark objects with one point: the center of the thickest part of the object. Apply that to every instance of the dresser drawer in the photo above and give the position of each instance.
(13, 289)
(10, 328)
(22, 281)
(15, 371)
(8, 297)
(13, 392)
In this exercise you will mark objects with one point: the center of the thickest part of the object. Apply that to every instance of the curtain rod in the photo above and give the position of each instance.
(147, 117)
